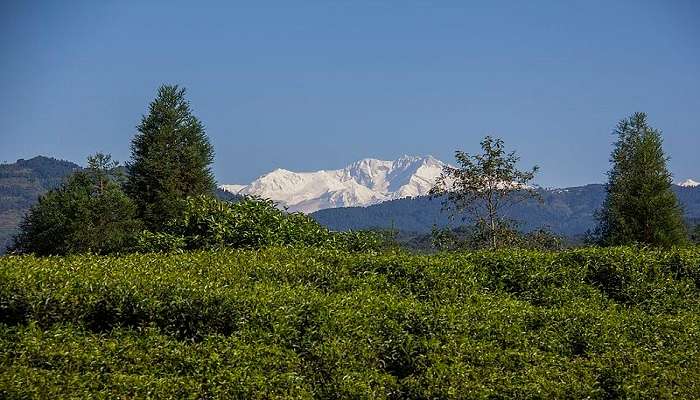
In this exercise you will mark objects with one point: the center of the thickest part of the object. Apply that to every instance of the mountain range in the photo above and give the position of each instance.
(568, 212)
(362, 183)
(373, 193)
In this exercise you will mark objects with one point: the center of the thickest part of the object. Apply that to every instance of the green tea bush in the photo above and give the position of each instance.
(158, 242)
(319, 322)
(207, 222)
(360, 241)
(250, 223)
(478, 236)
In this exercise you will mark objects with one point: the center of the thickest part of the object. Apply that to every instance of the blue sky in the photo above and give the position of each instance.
(309, 85)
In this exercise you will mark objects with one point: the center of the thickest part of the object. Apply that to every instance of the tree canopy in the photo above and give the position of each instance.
(170, 158)
(640, 206)
(87, 213)
(484, 185)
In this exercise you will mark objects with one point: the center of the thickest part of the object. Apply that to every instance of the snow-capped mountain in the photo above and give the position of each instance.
(362, 183)
(689, 183)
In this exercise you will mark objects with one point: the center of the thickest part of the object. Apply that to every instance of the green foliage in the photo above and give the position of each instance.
(444, 239)
(206, 222)
(322, 323)
(484, 185)
(508, 236)
(88, 213)
(640, 206)
(170, 158)
(158, 242)
(361, 241)
(542, 239)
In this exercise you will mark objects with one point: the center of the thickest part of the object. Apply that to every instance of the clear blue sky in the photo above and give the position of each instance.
(310, 85)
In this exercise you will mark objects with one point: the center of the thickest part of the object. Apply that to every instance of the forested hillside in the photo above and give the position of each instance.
(568, 212)
(21, 183)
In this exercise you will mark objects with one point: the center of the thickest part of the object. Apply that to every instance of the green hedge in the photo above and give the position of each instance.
(250, 223)
(315, 323)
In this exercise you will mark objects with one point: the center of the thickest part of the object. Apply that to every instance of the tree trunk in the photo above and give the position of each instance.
(493, 232)
(492, 221)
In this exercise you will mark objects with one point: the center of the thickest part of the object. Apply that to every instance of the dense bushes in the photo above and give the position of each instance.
(87, 213)
(208, 223)
(317, 322)
(478, 236)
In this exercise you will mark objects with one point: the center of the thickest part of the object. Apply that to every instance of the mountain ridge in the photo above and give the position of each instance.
(361, 183)
(689, 183)
(567, 211)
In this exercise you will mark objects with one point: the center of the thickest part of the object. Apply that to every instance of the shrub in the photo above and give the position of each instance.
(158, 242)
(209, 223)
(479, 236)
(695, 234)
(87, 213)
(361, 241)
(324, 323)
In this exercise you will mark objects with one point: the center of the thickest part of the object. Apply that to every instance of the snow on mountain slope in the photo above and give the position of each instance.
(689, 183)
(362, 183)
(232, 188)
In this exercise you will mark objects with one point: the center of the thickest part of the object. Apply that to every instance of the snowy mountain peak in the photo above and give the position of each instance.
(362, 183)
(689, 183)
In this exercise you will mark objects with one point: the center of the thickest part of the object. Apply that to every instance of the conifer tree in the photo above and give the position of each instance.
(170, 158)
(640, 206)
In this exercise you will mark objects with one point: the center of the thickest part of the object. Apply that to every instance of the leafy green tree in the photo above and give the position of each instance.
(640, 206)
(87, 213)
(170, 159)
(484, 185)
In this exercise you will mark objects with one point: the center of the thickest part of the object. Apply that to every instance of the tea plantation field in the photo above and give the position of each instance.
(302, 323)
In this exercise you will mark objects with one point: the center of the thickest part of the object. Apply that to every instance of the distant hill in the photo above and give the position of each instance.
(21, 183)
(569, 212)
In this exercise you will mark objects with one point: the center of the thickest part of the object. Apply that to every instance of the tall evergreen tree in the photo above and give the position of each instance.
(640, 206)
(170, 158)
